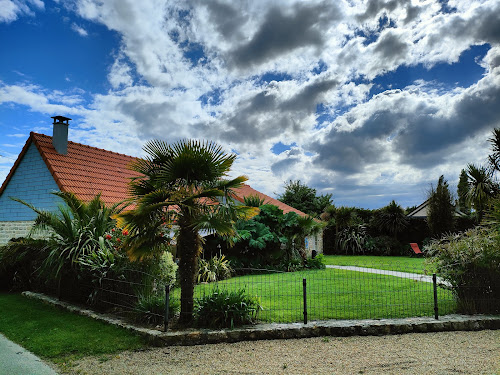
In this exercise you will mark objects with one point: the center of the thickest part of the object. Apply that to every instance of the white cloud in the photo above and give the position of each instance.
(79, 30)
(195, 69)
(11, 10)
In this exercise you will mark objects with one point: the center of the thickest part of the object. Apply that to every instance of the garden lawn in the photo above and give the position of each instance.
(59, 335)
(336, 294)
(393, 263)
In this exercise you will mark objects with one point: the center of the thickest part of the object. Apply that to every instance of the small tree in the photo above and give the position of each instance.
(440, 216)
(391, 219)
(482, 188)
(304, 198)
(462, 190)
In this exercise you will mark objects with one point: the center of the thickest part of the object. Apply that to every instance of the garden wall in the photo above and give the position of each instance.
(13, 229)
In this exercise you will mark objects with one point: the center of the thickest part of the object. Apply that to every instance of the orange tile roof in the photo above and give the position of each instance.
(86, 171)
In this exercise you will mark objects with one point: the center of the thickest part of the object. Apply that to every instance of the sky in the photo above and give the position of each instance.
(369, 101)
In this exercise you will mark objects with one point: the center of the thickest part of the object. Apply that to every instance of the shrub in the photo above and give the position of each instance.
(352, 239)
(20, 259)
(318, 262)
(224, 308)
(165, 269)
(470, 263)
(150, 308)
(214, 269)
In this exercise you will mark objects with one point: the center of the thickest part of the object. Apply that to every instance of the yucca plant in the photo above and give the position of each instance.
(214, 269)
(73, 231)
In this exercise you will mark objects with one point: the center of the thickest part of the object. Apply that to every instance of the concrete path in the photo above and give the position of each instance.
(14, 359)
(403, 275)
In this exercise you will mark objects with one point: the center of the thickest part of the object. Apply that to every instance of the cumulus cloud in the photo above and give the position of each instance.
(252, 74)
(11, 10)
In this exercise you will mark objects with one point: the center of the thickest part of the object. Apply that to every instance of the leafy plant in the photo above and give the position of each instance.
(441, 210)
(470, 263)
(150, 308)
(223, 308)
(318, 262)
(253, 201)
(20, 261)
(214, 269)
(74, 231)
(352, 239)
(391, 219)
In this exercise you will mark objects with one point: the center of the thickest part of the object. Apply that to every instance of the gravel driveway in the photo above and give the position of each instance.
(416, 353)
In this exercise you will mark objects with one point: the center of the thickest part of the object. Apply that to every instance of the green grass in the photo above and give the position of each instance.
(59, 335)
(336, 294)
(401, 263)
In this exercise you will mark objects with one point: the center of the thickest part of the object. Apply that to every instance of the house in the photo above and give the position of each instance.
(422, 211)
(47, 164)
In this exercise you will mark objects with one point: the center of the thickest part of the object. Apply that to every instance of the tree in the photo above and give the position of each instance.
(494, 158)
(441, 210)
(391, 219)
(303, 198)
(482, 188)
(462, 190)
(182, 184)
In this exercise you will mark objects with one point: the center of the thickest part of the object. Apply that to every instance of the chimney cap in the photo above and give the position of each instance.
(60, 119)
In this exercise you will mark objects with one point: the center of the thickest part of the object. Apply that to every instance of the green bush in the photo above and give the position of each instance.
(224, 308)
(150, 308)
(470, 263)
(318, 262)
(214, 269)
(165, 269)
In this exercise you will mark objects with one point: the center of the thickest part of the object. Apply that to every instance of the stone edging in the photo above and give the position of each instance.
(271, 331)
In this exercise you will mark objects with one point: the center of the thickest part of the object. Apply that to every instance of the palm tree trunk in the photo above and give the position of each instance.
(188, 245)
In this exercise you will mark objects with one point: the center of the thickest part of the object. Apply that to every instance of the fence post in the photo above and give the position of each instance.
(434, 283)
(167, 300)
(304, 292)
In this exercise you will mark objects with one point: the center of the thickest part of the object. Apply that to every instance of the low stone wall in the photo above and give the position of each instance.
(13, 229)
(271, 331)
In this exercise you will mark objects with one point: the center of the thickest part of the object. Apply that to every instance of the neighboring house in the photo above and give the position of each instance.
(47, 164)
(423, 210)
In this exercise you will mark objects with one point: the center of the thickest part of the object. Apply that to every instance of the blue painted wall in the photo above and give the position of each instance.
(31, 182)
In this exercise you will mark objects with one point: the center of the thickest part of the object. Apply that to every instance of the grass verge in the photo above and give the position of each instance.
(393, 263)
(59, 335)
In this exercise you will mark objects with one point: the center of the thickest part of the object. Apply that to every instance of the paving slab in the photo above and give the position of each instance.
(15, 360)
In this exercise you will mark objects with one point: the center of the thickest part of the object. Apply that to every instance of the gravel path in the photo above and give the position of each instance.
(417, 353)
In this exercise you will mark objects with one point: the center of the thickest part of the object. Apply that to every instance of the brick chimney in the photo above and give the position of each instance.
(60, 134)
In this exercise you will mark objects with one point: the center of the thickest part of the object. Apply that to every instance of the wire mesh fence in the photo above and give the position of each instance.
(338, 293)
(366, 291)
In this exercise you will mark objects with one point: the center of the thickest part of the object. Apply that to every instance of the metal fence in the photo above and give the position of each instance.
(338, 292)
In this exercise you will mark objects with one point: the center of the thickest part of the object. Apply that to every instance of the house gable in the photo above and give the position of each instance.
(31, 181)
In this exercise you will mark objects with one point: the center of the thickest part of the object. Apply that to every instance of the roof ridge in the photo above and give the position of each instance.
(91, 147)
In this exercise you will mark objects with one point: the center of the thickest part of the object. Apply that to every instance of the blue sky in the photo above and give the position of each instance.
(367, 100)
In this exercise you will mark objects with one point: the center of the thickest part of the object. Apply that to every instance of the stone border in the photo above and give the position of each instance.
(368, 327)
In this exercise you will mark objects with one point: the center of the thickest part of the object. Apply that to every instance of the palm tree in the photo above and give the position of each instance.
(391, 219)
(494, 158)
(184, 185)
(482, 188)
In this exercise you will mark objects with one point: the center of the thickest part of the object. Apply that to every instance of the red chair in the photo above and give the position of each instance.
(416, 249)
